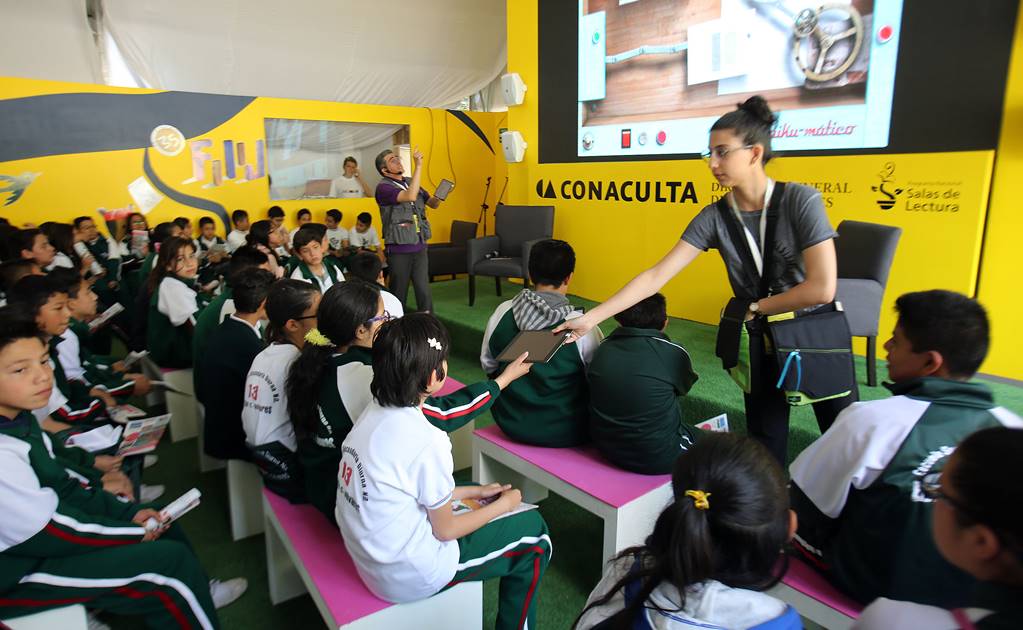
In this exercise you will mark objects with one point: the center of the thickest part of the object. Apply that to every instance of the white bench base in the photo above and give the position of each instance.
(66, 618)
(458, 608)
(810, 608)
(461, 445)
(184, 424)
(206, 462)
(244, 498)
(624, 526)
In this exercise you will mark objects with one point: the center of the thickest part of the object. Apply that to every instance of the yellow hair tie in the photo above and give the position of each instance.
(699, 499)
(317, 338)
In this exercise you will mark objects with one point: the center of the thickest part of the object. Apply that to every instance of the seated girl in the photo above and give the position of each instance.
(269, 435)
(266, 238)
(978, 527)
(396, 493)
(173, 305)
(328, 386)
(712, 551)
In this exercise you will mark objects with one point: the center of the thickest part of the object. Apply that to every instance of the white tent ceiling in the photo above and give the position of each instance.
(401, 52)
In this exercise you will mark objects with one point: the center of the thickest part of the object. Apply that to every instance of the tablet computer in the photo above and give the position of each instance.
(443, 189)
(541, 345)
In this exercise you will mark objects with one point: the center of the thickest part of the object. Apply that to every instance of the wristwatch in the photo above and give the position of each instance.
(754, 307)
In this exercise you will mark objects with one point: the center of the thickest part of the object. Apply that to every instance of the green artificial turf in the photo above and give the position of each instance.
(576, 534)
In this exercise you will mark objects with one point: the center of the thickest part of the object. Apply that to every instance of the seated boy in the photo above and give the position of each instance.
(367, 267)
(337, 236)
(42, 298)
(63, 542)
(225, 364)
(13, 270)
(313, 263)
(222, 306)
(364, 236)
(240, 221)
(32, 244)
(863, 519)
(106, 252)
(212, 252)
(80, 364)
(550, 405)
(636, 377)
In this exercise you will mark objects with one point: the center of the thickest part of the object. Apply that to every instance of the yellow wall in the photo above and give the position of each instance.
(940, 247)
(77, 184)
(1000, 284)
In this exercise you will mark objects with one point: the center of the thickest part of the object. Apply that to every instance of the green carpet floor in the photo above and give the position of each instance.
(576, 534)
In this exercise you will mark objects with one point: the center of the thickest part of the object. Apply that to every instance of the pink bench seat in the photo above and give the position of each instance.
(582, 467)
(627, 502)
(815, 597)
(305, 552)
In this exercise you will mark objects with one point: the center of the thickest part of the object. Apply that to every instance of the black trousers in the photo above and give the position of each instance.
(414, 267)
(767, 411)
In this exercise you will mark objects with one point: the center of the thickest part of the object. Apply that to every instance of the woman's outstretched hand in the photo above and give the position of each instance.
(577, 328)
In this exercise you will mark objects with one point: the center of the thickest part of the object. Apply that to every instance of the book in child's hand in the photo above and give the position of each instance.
(105, 317)
(134, 357)
(464, 506)
(181, 506)
(717, 423)
(142, 436)
(123, 413)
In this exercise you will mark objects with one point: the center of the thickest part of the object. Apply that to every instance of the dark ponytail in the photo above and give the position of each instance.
(259, 233)
(737, 540)
(752, 121)
(288, 299)
(344, 308)
(983, 482)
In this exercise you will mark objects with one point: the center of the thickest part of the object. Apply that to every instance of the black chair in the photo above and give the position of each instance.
(506, 254)
(865, 252)
(450, 258)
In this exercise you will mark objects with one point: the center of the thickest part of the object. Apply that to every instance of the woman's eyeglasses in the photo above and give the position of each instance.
(722, 152)
(383, 317)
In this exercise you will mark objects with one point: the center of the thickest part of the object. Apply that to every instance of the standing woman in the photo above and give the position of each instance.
(801, 266)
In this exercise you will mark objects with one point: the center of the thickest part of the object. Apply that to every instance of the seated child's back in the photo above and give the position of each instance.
(548, 406)
(636, 377)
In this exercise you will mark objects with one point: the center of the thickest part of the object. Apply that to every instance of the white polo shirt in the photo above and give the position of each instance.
(265, 416)
(395, 466)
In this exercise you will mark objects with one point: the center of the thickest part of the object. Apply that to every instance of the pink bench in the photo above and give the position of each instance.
(305, 552)
(815, 598)
(628, 503)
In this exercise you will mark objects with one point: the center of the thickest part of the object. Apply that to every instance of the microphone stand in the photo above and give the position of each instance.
(484, 207)
(499, 197)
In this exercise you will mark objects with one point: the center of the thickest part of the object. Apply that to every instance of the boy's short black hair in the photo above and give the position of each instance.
(249, 287)
(365, 266)
(303, 211)
(32, 292)
(245, 257)
(238, 215)
(206, 221)
(80, 220)
(16, 323)
(651, 313)
(13, 270)
(335, 214)
(949, 323)
(23, 240)
(551, 262)
(275, 212)
(406, 352)
(67, 281)
(308, 233)
(163, 231)
(365, 218)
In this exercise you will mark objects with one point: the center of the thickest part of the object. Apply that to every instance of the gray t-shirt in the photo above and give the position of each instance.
(802, 223)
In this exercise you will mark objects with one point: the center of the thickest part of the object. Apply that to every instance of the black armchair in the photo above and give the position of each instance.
(450, 258)
(865, 252)
(517, 229)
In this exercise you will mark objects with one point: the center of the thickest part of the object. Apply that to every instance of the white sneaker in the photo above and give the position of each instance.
(149, 460)
(224, 592)
(92, 622)
(148, 494)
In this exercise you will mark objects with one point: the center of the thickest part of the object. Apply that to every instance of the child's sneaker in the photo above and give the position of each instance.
(224, 592)
(149, 460)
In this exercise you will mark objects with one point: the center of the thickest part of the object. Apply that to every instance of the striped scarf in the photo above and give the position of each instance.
(537, 311)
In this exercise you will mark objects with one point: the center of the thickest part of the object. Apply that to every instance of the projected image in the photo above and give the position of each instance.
(655, 74)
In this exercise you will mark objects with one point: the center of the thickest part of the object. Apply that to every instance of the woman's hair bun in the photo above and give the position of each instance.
(757, 107)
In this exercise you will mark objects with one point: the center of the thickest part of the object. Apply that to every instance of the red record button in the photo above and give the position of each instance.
(885, 34)
(661, 137)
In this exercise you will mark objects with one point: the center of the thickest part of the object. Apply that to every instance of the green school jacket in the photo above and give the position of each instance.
(874, 538)
(329, 267)
(205, 323)
(636, 377)
(81, 407)
(98, 370)
(320, 453)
